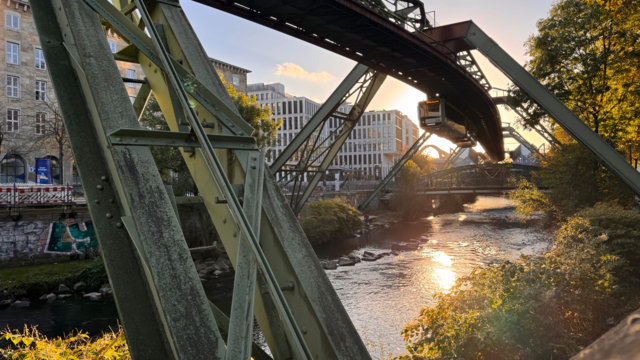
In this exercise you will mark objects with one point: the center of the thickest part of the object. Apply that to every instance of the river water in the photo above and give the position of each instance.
(382, 296)
(379, 296)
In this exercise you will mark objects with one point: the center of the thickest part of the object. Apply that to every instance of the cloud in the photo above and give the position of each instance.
(296, 71)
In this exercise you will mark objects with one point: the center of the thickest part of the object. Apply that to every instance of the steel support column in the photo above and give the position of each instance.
(394, 170)
(580, 131)
(296, 306)
(149, 263)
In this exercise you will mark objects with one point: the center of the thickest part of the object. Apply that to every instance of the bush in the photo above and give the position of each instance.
(539, 307)
(326, 220)
(30, 344)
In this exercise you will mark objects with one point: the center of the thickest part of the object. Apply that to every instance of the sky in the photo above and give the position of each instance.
(307, 70)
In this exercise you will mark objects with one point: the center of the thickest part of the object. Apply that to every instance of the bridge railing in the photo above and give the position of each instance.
(35, 194)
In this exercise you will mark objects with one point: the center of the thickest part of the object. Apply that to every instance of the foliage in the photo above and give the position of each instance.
(33, 281)
(327, 220)
(576, 180)
(530, 200)
(587, 52)
(31, 345)
(538, 307)
(423, 161)
(255, 115)
(409, 176)
(404, 200)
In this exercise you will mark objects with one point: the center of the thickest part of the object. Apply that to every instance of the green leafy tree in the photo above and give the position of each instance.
(257, 116)
(588, 53)
(327, 220)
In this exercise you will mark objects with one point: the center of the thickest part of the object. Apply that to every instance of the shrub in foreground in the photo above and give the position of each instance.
(30, 344)
(542, 307)
(326, 220)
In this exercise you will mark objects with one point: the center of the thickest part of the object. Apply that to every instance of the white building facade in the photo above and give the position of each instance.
(379, 139)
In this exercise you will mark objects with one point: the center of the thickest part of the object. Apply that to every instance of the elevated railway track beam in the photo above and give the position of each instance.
(355, 30)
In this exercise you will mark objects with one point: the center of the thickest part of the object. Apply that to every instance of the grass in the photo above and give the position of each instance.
(35, 280)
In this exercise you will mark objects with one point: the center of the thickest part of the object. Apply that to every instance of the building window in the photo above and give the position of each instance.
(41, 123)
(131, 74)
(13, 86)
(54, 168)
(12, 21)
(112, 46)
(13, 120)
(12, 169)
(41, 90)
(13, 51)
(236, 80)
(38, 56)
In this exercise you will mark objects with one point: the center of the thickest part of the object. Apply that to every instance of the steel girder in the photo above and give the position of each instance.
(278, 277)
(394, 170)
(315, 152)
(607, 155)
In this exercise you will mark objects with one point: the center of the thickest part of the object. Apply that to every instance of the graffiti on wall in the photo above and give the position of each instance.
(71, 238)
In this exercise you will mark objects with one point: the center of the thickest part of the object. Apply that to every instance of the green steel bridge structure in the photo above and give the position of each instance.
(278, 278)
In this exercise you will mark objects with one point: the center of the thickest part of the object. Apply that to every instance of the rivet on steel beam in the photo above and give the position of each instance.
(224, 221)
(99, 187)
(119, 225)
(96, 201)
(304, 330)
(288, 286)
(108, 215)
(235, 234)
(220, 201)
(111, 201)
(103, 178)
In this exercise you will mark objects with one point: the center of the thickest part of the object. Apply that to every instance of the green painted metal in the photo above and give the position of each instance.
(242, 306)
(146, 285)
(417, 145)
(328, 108)
(366, 94)
(217, 173)
(214, 100)
(139, 137)
(607, 155)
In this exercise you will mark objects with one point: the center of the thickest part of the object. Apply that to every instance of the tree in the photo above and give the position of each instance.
(326, 220)
(587, 52)
(255, 115)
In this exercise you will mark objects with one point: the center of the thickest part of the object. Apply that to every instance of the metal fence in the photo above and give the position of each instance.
(30, 194)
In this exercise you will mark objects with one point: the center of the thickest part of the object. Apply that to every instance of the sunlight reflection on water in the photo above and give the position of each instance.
(382, 296)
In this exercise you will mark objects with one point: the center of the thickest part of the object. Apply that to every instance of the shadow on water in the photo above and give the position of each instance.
(61, 318)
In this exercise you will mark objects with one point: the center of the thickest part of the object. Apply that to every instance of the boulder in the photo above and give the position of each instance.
(329, 264)
(63, 289)
(368, 254)
(21, 303)
(105, 290)
(49, 298)
(355, 258)
(346, 261)
(381, 255)
(93, 296)
(5, 303)
(64, 296)
(79, 286)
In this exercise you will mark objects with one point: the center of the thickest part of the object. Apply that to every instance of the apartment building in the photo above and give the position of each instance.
(379, 139)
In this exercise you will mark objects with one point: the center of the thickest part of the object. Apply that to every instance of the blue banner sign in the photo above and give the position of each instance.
(43, 171)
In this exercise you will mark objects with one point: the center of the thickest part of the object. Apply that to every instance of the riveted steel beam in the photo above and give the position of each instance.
(150, 273)
(573, 125)
(322, 320)
(139, 137)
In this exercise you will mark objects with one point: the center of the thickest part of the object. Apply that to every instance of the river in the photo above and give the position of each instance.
(382, 296)
(379, 296)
